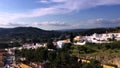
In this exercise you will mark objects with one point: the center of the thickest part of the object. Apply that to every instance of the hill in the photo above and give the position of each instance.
(32, 33)
(22, 33)
(72, 30)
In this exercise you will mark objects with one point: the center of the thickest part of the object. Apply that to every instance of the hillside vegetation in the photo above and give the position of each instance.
(23, 33)
(108, 53)
(68, 56)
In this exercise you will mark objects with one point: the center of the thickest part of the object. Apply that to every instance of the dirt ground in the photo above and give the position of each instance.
(1, 64)
(1, 55)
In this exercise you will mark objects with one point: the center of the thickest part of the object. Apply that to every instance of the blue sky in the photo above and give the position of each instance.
(59, 14)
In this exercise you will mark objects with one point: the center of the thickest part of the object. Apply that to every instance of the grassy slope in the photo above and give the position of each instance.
(105, 53)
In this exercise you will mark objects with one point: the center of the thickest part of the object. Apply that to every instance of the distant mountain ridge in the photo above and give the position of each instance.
(32, 32)
(26, 32)
(72, 30)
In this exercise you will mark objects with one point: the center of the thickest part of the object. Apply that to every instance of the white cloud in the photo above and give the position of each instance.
(58, 0)
(50, 1)
(51, 23)
(73, 5)
(42, 1)
(92, 23)
(61, 7)
(44, 23)
(101, 22)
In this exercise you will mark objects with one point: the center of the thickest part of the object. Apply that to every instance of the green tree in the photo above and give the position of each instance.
(50, 44)
(71, 37)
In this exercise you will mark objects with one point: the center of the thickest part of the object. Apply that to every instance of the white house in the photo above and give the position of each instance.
(80, 43)
(33, 46)
(60, 44)
(102, 38)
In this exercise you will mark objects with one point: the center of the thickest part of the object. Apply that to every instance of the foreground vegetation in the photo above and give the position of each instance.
(58, 58)
(67, 57)
(107, 53)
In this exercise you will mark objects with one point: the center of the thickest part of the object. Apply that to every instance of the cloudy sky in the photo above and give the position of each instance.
(59, 14)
